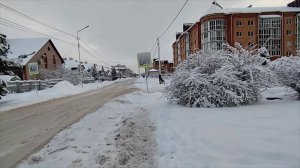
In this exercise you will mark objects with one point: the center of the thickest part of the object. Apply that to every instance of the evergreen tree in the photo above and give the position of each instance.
(3, 63)
(114, 73)
(102, 72)
(94, 71)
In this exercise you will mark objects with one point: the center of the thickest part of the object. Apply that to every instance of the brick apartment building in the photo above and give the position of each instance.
(166, 66)
(276, 28)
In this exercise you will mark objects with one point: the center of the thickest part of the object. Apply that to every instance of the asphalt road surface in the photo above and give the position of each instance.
(25, 130)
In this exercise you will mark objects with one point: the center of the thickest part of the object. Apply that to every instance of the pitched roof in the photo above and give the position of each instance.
(25, 46)
(261, 9)
(213, 9)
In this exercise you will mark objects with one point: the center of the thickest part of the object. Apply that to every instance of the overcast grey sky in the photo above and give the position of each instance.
(119, 29)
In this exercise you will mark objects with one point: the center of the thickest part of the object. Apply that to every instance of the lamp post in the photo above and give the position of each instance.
(80, 72)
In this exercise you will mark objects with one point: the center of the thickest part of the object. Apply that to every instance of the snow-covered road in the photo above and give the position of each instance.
(25, 129)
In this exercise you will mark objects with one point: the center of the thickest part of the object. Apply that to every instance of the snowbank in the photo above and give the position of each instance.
(61, 89)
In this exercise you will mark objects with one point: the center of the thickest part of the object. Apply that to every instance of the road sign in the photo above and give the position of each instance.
(144, 60)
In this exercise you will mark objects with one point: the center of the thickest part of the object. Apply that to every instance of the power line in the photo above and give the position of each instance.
(36, 33)
(174, 19)
(13, 24)
(155, 43)
(91, 54)
(32, 19)
(93, 49)
(154, 51)
(153, 46)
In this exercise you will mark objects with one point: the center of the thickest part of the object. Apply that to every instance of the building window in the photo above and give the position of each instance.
(250, 23)
(238, 23)
(178, 52)
(289, 21)
(298, 32)
(289, 43)
(213, 34)
(250, 33)
(46, 62)
(239, 34)
(270, 34)
(54, 60)
(48, 48)
(187, 44)
(288, 32)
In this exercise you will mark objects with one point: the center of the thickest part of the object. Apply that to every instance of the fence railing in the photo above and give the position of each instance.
(28, 85)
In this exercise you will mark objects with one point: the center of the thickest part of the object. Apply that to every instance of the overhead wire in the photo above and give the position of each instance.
(32, 19)
(35, 32)
(174, 19)
(84, 42)
(166, 30)
(30, 29)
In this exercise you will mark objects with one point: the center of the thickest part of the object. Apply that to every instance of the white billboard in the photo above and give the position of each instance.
(144, 59)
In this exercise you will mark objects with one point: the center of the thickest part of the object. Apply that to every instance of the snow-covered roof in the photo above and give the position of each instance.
(72, 63)
(153, 70)
(7, 78)
(261, 9)
(269, 16)
(69, 64)
(215, 9)
(25, 46)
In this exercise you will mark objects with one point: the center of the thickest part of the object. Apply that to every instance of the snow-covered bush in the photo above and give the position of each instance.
(287, 70)
(230, 77)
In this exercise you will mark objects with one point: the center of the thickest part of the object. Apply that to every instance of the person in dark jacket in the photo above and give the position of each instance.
(161, 80)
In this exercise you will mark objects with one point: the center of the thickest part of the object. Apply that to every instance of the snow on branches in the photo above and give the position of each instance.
(230, 77)
(287, 70)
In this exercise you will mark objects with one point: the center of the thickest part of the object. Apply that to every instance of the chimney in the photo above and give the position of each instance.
(186, 26)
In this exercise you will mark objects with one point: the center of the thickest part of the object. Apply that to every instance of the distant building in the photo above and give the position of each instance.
(276, 28)
(166, 66)
(31, 50)
(72, 64)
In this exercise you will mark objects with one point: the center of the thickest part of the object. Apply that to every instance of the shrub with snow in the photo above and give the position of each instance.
(287, 70)
(230, 77)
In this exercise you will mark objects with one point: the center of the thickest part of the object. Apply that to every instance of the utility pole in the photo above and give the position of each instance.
(158, 51)
(80, 71)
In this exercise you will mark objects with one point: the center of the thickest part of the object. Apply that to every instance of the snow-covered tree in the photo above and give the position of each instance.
(5, 63)
(287, 70)
(229, 77)
(94, 72)
(102, 72)
(114, 73)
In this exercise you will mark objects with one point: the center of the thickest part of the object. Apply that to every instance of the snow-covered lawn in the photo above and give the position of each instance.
(263, 135)
(61, 89)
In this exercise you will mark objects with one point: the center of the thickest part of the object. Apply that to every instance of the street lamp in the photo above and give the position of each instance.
(80, 72)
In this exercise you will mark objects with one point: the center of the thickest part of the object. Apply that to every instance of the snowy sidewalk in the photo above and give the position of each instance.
(266, 134)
